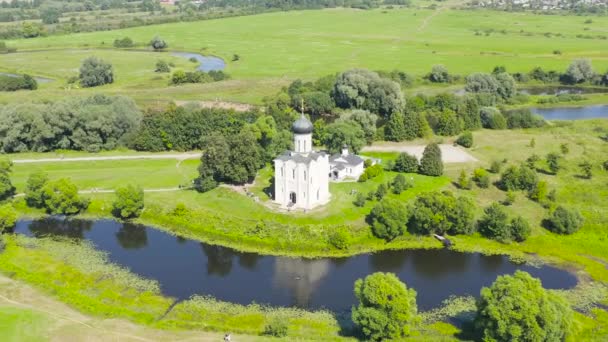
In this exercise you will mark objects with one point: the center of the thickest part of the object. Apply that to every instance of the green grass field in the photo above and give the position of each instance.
(277, 47)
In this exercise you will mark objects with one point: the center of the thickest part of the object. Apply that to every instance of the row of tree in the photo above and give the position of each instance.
(514, 308)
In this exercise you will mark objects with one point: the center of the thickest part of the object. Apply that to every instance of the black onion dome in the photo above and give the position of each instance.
(302, 126)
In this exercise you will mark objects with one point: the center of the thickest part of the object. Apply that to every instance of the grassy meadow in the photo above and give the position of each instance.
(275, 48)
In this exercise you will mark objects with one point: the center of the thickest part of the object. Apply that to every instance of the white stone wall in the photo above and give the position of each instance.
(309, 183)
(302, 143)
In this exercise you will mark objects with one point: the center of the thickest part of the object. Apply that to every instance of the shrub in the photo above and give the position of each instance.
(553, 161)
(440, 213)
(180, 210)
(340, 238)
(129, 202)
(371, 172)
(387, 308)
(381, 191)
(14, 83)
(125, 42)
(465, 140)
(495, 166)
(539, 193)
(431, 163)
(481, 178)
(517, 308)
(518, 178)
(8, 217)
(95, 72)
(586, 169)
(510, 198)
(520, 229)
(388, 219)
(277, 327)
(400, 184)
(360, 200)
(162, 66)
(492, 118)
(6, 186)
(463, 181)
(563, 221)
(523, 118)
(407, 163)
(439, 74)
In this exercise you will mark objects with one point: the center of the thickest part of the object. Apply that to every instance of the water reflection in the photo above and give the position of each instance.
(185, 267)
(301, 277)
(131, 236)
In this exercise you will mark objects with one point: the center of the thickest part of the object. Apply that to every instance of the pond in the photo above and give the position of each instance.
(185, 267)
(37, 78)
(207, 63)
(573, 113)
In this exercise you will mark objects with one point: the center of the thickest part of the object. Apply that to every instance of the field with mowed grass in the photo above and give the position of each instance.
(274, 48)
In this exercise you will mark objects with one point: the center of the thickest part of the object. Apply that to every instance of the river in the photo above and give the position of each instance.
(186, 267)
(573, 113)
(206, 63)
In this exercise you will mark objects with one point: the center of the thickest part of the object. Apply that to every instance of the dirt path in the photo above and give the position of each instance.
(176, 156)
(239, 107)
(449, 153)
(67, 324)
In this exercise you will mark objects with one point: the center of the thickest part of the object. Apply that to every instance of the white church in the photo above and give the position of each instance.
(301, 177)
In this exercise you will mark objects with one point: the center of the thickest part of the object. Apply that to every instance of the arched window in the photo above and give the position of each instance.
(304, 174)
(282, 172)
(318, 190)
(299, 148)
(294, 173)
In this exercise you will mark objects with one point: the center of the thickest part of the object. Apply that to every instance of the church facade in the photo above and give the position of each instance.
(301, 176)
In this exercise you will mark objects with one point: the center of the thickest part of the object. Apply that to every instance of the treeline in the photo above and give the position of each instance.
(13, 83)
(91, 124)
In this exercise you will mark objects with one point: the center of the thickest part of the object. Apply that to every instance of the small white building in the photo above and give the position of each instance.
(345, 165)
(301, 177)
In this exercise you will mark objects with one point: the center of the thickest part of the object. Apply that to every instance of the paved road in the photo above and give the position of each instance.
(176, 156)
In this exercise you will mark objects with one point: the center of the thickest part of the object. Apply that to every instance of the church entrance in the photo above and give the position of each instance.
(292, 198)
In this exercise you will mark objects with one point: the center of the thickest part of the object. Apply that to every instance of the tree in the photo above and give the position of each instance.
(580, 70)
(441, 213)
(463, 181)
(431, 163)
(553, 161)
(6, 187)
(439, 74)
(129, 202)
(492, 118)
(563, 221)
(8, 217)
(517, 308)
(342, 133)
(520, 229)
(586, 169)
(50, 14)
(506, 85)
(33, 189)
(157, 43)
(381, 192)
(400, 184)
(406, 162)
(465, 139)
(469, 112)
(518, 178)
(395, 128)
(482, 83)
(95, 72)
(365, 119)
(448, 123)
(61, 198)
(125, 42)
(162, 66)
(387, 308)
(494, 223)
(364, 89)
(388, 219)
(315, 102)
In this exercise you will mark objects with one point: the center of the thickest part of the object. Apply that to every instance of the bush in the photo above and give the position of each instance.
(400, 184)
(407, 163)
(381, 191)
(14, 83)
(517, 308)
(8, 217)
(465, 140)
(95, 72)
(563, 221)
(61, 198)
(340, 238)
(495, 166)
(481, 178)
(510, 198)
(360, 200)
(520, 229)
(439, 74)
(387, 308)
(388, 219)
(277, 327)
(492, 118)
(371, 172)
(162, 66)
(553, 161)
(431, 163)
(523, 118)
(463, 181)
(6, 186)
(129, 202)
(518, 178)
(586, 169)
(539, 193)
(125, 42)
(440, 213)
